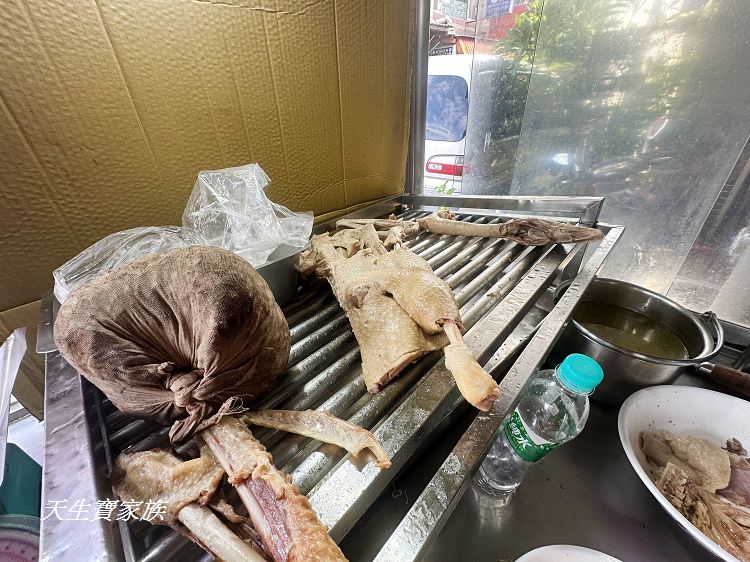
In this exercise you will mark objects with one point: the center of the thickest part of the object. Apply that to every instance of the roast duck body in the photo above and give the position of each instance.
(176, 337)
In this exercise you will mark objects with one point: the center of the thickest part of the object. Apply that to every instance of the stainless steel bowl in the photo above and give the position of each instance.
(626, 371)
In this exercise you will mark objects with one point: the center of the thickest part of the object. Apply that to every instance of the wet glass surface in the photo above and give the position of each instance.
(716, 272)
(645, 103)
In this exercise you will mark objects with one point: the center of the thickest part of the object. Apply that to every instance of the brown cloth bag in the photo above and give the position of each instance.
(175, 337)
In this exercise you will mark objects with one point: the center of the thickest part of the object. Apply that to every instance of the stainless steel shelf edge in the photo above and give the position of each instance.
(70, 475)
(44, 334)
(430, 511)
(586, 208)
(379, 209)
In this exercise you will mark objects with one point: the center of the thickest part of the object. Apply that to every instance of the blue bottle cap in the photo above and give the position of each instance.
(580, 373)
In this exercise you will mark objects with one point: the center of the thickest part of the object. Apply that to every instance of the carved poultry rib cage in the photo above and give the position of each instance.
(497, 283)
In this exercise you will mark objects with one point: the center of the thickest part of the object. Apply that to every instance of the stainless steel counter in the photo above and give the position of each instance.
(586, 493)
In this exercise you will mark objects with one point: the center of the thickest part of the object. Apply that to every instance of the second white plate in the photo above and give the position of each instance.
(565, 552)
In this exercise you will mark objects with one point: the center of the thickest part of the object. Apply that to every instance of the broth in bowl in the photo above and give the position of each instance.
(631, 330)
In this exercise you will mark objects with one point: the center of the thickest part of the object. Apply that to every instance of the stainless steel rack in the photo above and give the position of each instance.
(497, 284)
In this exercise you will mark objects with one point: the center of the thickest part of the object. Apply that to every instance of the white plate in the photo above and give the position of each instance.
(563, 552)
(683, 410)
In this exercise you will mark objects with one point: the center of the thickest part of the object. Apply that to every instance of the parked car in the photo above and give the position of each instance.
(448, 81)
(490, 110)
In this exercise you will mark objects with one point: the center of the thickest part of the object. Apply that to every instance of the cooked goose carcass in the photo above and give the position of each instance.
(285, 526)
(184, 488)
(282, 516)
(527, 231)
(399, 311)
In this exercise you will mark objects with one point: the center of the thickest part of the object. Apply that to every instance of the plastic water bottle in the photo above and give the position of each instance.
(552, 410)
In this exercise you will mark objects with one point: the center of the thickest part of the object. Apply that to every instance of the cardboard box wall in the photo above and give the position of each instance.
(108, 110)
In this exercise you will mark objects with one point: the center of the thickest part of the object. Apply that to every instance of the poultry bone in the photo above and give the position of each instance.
(399, 310)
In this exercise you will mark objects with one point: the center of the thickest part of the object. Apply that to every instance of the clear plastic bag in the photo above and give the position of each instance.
(231, 210)
(227, 208)
(119, 248)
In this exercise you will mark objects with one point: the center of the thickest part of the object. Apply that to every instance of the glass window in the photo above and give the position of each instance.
(624, 100)
(447, 108)
(648, 108)
(480, 61)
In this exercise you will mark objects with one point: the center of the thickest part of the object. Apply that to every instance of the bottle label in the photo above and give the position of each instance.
(527, 444)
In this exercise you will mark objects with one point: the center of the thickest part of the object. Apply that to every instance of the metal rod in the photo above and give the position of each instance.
(513, 254)
(313, 321)
(306, 369)
(303, 348)
(418, 108)
(315, 387)
(298, 310)
(315, 465)
(478, 262)
(158, 438)
(165, 548)
(116, 419)
(500, 289)
(131, 432)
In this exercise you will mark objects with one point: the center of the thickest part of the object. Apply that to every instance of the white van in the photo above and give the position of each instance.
(484, 162)
(448, 83)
